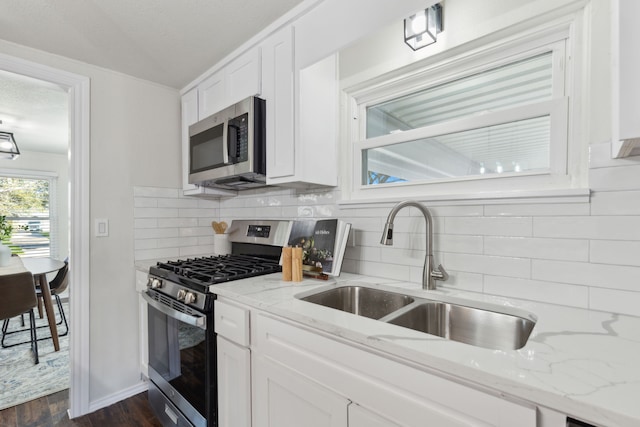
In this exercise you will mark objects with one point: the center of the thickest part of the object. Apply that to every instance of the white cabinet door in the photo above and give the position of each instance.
(212, 95)
(242, 77)
(234, 384)
(189, 117)
(284, 398)
(360, 417)
(236, 81)
(277, 90)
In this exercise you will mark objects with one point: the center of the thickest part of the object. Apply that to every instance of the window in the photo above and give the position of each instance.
(492, 120)
(25, 203)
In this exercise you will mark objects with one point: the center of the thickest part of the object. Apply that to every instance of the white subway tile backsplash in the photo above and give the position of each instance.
(196, 231)
(615, 252)
(615, 203)
(141, 202)
(145, 223)
(145, 244)
(168, 225)
(469, 210)
(461, 280)
(502, 266)
(458, 243)
(183, 203)
(388, 271)
(540, 209)
(617, 178)
(614, 301)
(489, 226)
(589, 274)
(154, 212)
(165, 253)
(177, 242)
(577, 254)
(195, 250)
(155, 233)
(537, 248)
(197, 213)
(588, 227)
(178, 222)
(551, 292)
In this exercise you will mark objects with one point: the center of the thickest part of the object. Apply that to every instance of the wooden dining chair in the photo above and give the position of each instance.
(18, 296)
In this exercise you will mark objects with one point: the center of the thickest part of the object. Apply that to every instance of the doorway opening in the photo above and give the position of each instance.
(77, 89)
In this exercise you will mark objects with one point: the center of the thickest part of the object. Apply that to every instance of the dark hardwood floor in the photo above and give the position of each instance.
(51, 411)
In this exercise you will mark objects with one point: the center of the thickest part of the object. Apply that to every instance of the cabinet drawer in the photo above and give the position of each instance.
(232, 322)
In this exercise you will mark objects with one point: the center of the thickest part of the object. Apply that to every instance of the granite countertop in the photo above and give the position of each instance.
(582, 363)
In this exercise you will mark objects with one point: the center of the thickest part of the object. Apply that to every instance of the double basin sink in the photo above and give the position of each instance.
(478, 324)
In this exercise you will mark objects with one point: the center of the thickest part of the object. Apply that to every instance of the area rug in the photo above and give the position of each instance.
(20, 379)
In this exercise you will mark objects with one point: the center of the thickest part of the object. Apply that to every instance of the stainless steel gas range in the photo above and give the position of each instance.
(182, 342)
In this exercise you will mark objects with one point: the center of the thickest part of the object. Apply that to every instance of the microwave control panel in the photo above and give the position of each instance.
(239, 138)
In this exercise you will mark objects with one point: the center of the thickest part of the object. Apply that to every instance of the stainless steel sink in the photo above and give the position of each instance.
(474, 323)
(470, 325)
(367, 302)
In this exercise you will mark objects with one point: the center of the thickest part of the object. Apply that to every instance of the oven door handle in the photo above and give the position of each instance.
(197, 321)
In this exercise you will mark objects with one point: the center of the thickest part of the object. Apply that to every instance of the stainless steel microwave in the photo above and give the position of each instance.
(227, 149)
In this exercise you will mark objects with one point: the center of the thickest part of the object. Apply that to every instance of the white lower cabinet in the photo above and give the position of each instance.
(361, 417)
(300, 374)
(285, 398)
(234, 384)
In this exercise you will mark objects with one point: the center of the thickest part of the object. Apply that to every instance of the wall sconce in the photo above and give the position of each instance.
(421, 29)
(8, 147)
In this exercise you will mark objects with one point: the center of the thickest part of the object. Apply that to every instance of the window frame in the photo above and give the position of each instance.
(565, 177)
(52, 178)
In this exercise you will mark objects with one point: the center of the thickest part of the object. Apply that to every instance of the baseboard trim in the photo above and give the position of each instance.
(118, 396)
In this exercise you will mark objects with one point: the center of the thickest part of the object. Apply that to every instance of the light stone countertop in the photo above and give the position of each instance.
(583, 363)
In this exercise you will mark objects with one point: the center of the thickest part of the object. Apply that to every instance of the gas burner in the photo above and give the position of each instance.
(204, 271)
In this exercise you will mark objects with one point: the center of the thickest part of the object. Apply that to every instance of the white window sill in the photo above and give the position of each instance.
(572, 195)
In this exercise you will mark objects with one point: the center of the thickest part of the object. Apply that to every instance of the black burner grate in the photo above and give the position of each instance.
(207, 271)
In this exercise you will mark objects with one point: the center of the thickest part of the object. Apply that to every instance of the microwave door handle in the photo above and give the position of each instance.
(225, 146)
(233, 142)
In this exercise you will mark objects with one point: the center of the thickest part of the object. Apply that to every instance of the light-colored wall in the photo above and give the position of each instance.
(59, 165)
(135, 129)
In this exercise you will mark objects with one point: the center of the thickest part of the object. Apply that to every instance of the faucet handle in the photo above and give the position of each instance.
(440, 273)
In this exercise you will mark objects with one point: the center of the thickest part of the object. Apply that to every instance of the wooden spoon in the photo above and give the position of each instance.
(219, 227)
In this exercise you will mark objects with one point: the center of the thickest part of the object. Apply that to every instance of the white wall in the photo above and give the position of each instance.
(59, 165)
(135, 134)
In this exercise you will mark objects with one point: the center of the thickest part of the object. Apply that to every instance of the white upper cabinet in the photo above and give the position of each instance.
(237, 80)
(301, 115)
(211, 95)
(625, 71)
(278, 91)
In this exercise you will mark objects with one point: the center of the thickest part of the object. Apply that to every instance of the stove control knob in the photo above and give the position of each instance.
(181, 295)
(154, 283)
(190, 298)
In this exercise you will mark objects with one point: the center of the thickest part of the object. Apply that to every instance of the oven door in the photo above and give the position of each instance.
(182, 359)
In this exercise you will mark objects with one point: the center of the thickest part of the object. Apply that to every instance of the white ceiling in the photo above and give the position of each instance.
(36, 112)
(169, 42)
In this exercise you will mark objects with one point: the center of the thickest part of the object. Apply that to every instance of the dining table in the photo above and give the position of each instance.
(39, 267)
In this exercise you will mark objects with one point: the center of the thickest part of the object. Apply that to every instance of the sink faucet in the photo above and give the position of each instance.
(429, 274)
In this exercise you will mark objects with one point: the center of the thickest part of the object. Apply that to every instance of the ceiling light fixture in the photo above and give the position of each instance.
(8, 147)
(422, 28)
